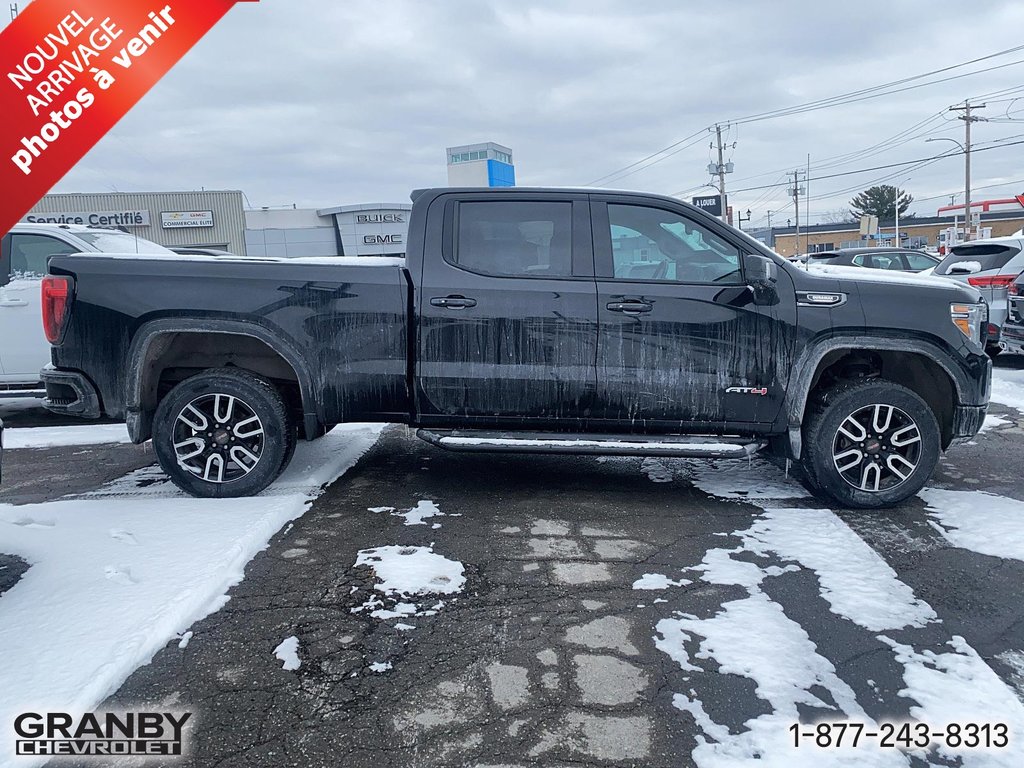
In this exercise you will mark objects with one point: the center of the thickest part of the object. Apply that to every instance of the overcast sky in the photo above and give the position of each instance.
(323, 103)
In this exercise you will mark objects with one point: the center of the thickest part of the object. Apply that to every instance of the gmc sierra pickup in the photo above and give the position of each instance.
(566, 321)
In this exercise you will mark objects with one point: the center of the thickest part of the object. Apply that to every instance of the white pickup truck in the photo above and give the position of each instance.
(24, 252)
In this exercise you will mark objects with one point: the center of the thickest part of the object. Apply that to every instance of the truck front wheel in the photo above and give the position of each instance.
(870, 443)
(223, 433)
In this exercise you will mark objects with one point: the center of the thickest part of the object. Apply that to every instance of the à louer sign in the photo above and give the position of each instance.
(70, 69)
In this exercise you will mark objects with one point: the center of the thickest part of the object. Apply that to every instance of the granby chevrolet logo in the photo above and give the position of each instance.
(91, 735)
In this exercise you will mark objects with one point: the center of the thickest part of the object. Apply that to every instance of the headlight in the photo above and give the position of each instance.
(970, 319)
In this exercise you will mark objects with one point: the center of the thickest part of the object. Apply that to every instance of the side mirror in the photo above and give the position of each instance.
(5, 261)
(762, 275)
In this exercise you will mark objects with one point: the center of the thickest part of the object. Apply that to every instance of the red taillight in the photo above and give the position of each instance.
(56, 299)
(995, 281)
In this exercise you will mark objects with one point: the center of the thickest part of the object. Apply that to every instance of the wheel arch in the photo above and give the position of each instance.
(147, 358)
(920, 365)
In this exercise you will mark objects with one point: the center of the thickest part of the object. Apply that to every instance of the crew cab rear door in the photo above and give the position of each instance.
(507, 311)
(681, 343)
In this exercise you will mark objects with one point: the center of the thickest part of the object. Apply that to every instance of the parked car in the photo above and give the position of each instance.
(188, 250)
(898, 259)
(24, 251)
(1013, 328)
(991, 266)
(519, 322)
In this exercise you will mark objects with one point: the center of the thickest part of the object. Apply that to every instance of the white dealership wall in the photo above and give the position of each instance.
(368, 229)
(207, 218)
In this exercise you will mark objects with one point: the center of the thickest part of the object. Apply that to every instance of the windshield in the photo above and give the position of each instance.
(122, 242)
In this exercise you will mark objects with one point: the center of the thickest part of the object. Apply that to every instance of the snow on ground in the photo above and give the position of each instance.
(959, 687)
(413, 570)
(658, 581)
(113, 580)
(753, 479)
(979, 521)
(418, 515)
(752, 637)
(991, 422)
(855, 581)
(1008, 388)
(56, 437)
(288, 653)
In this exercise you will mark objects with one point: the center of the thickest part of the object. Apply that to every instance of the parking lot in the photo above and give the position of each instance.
(431, 608)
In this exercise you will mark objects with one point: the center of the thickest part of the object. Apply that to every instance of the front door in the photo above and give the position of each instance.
(681, 344)
(507, 313)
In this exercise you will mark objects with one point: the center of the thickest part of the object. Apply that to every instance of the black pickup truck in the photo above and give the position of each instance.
(566, 321)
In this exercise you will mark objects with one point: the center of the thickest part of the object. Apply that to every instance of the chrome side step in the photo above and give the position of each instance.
(687, 446)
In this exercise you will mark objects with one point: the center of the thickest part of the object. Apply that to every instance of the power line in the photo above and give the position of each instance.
(832, 101)
(699, 133)
(952, 153)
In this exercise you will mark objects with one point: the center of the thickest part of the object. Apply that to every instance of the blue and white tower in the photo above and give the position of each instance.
(481, 165)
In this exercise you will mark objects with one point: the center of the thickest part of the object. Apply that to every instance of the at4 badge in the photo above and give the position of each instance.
(747, 391)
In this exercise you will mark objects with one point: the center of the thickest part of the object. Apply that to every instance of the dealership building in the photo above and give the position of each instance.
(219, 219)
(214, 219)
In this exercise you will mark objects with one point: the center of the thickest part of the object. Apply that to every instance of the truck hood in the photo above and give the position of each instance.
(910, 279)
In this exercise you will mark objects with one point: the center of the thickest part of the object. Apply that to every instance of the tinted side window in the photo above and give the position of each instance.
(917, 261)
(655, 244)
(29, 253)
(515, 239)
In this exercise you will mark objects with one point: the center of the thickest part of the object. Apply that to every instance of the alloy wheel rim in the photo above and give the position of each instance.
(219, 438)
(877, 448)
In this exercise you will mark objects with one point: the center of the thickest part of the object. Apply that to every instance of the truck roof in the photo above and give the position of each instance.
(73, 228)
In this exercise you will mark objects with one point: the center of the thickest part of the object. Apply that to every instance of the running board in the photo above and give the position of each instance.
(610, 445)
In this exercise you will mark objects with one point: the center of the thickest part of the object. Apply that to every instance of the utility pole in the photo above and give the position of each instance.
(968, 118)
(721, 172)
(720, 169)
(795, 193)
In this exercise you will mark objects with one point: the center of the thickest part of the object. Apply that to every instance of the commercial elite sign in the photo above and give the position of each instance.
(709, 203)
(185, 219)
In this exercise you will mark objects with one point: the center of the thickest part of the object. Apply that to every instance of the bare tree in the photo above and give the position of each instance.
(837, 216)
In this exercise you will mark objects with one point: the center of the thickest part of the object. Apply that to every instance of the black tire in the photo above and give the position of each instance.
(993, 351)
(189, 455)
(866, 473)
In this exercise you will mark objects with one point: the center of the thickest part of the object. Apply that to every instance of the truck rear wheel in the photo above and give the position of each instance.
(223, 433)
(870, 443)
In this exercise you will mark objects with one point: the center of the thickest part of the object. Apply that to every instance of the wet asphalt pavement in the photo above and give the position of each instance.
(548, 656)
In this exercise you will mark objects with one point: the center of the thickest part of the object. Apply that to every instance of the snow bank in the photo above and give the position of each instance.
(1008, 388)
(57, 437)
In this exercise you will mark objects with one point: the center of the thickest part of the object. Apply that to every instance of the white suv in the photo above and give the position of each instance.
(24, 252)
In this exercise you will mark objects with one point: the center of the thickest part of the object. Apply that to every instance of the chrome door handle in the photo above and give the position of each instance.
(629, 307)
(453, 302)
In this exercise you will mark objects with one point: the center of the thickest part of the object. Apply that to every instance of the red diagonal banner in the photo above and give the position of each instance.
(70, 70)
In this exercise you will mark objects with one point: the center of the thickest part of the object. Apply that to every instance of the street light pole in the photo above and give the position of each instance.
(966, 150)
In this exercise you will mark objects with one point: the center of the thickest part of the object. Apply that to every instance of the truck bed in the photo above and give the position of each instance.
(343, 319)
